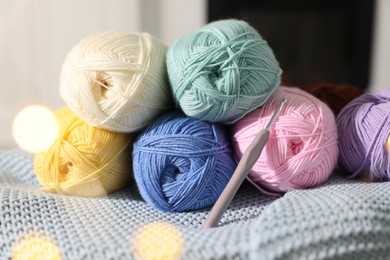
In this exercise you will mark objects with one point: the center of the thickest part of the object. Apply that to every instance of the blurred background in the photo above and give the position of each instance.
(315, 41)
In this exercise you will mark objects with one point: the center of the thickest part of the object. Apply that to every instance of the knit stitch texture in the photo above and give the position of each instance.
(341, 219)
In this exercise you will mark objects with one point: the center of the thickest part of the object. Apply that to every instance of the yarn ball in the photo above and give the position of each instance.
(181, 163)
(116, 80)
(84, 160)
(222, 71)
(364, 130)
(336, 96)
(301, 151)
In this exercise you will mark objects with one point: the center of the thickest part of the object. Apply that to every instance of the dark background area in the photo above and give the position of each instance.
(315, 41)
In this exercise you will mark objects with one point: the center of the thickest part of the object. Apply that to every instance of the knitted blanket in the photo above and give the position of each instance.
(341, 219)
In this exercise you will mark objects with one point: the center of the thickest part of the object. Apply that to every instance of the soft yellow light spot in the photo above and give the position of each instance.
(158, 240)
(36, 248)
(35, 128)
(388, 144)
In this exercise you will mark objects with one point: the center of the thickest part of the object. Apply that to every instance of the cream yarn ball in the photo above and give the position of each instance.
(116, 80)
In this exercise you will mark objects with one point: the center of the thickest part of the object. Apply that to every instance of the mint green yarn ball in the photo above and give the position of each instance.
(222, 71)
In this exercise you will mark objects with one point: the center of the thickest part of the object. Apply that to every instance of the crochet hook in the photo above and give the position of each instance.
(249, 158)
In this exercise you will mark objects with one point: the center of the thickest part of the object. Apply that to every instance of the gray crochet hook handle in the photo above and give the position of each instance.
(249, 158)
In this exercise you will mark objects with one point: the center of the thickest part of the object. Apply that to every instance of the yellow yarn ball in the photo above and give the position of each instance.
(116, 80)
(84, 160)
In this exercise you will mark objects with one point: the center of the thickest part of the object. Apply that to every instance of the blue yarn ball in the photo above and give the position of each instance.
(181, 163)
(222, 71)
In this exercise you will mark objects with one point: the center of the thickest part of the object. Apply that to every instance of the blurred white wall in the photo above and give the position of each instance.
(380, 67)
(35, 36)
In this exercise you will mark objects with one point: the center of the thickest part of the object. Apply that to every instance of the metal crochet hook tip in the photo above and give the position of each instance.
(276, 113)
(249, 158)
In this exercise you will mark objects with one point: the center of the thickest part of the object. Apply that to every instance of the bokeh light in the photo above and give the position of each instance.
(35, 128)
(388, 144)
(158, 240)
(36, 248)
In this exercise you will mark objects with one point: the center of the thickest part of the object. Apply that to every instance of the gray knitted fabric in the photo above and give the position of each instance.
(341, 219)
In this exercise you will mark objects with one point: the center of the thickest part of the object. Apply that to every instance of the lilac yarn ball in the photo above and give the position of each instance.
(364, 129)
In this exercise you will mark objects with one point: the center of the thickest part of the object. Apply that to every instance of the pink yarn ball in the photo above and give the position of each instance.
(302, 148)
